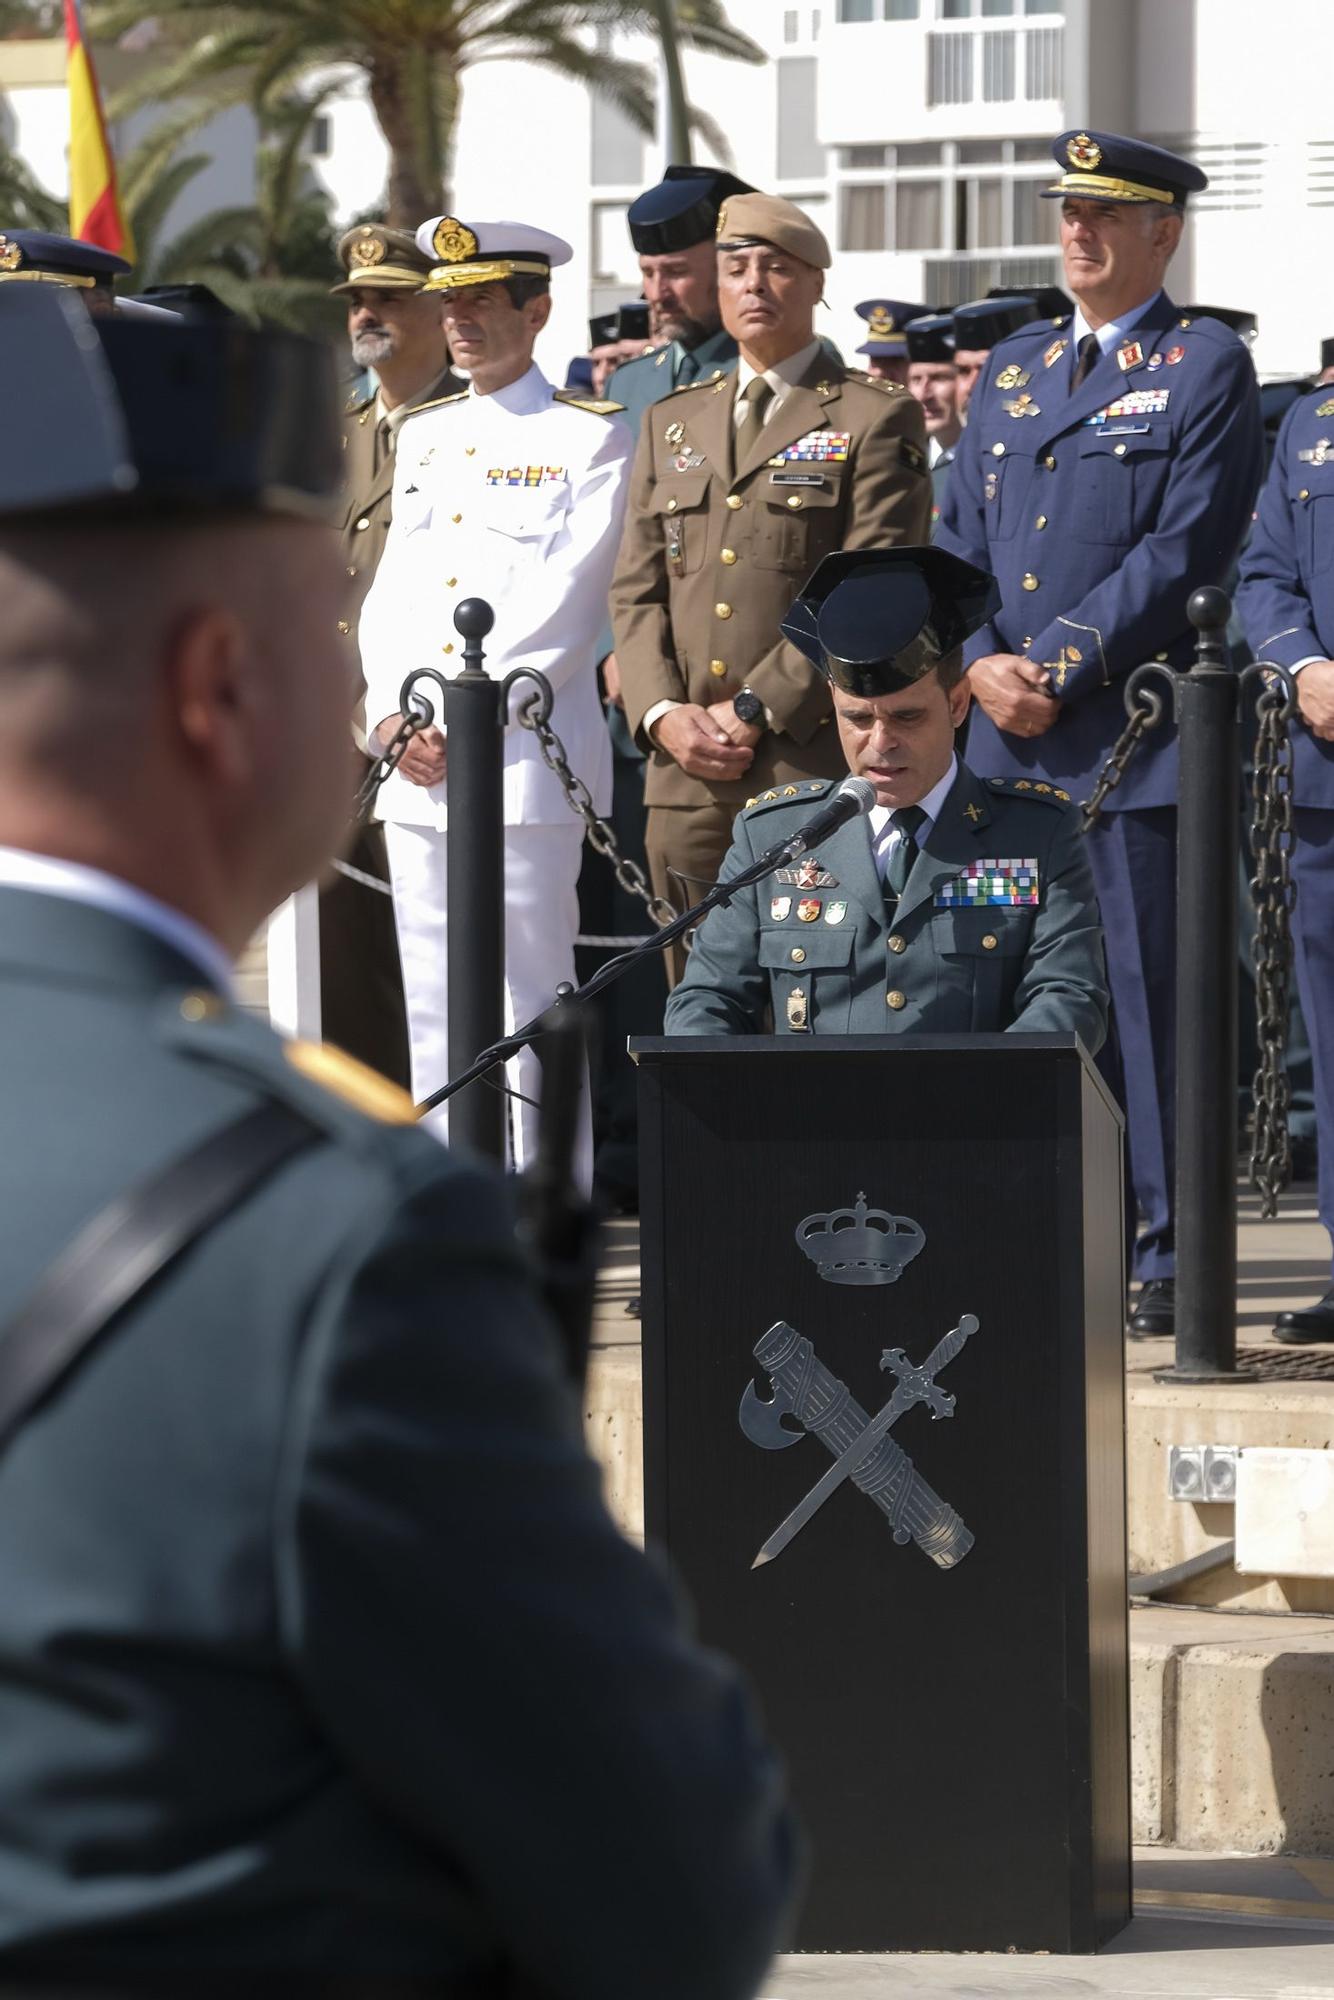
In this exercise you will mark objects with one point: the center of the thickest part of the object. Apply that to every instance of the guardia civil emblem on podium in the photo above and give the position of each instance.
(859, 1246)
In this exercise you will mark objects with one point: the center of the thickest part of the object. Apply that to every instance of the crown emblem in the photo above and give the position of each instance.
(881, 320)
(1084, 152)
(368, 249)
(721, 229)
(11, 254)
(861, 1245)
(453, 241)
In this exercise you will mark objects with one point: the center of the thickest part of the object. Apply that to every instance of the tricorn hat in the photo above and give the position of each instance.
(874, 621)
(681, 210)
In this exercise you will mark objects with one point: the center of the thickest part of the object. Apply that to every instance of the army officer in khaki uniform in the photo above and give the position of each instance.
(740, 487)
(395, 329)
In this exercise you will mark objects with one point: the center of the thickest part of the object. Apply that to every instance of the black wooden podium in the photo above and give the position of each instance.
(941, 1648)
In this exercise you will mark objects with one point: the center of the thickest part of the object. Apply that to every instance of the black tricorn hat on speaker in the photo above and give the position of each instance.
(873, 621)
(119, 417)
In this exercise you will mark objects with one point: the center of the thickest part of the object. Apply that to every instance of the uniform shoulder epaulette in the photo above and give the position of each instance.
(597, 406)
(784, 795)
(875, 382)
(1042, 327)
(1030, 788)
(703, 382)
(1209, 329)
(355, 404)
(334, 1089)
(458, 396)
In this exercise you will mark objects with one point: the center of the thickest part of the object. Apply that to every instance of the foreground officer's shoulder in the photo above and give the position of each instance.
(595, 406)
(804, 793)
(415, 415)
(1031, 792)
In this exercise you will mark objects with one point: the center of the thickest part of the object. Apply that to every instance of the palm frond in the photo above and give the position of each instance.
(24, 202)
(150, 210)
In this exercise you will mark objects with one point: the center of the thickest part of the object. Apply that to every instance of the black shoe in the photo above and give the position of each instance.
(1155, 1310)
(1308, 1326)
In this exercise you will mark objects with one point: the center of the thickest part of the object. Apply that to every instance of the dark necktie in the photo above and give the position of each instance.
(909, 821)
(753, 398)
(1087, 356)
(688, 370)
(384, 443)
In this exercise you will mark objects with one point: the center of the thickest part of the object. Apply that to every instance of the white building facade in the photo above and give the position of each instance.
(916, 132)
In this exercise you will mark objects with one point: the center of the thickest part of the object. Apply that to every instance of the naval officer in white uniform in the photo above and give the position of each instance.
(515, 492)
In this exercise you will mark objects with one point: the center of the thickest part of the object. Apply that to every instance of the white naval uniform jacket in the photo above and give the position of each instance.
(519, 499)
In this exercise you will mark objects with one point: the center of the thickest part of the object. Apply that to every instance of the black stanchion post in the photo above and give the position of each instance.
(475, 866)
(1206, 1042)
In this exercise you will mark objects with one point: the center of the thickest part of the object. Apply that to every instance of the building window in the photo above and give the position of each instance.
(856, 10)
(799, 150)
(815, 24)
(1042, 63)
(1044, 6)
(917, 215)
(863, 159)
(949, 69)
(998, 6)
(1035, 220)
(902, 10)
(791, 25)
(862, 216)
(617, 146)
(613, 254)
(955, 10)
(998, 69)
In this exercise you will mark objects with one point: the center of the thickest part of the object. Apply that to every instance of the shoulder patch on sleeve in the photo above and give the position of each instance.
(596, 406)
(1030, 788)
(911, 453)
(356, 1083)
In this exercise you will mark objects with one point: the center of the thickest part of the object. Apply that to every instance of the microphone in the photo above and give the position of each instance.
(853, 797)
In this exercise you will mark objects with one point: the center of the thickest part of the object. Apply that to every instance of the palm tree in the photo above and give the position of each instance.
(412, 55)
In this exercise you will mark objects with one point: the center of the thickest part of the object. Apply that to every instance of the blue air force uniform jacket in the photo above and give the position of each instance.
(1286, 594)
(997, 927)
(318, 1649)
(1099, 512)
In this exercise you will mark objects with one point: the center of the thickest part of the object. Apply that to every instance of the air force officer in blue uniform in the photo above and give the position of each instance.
(1286, 603)
(1108, 469)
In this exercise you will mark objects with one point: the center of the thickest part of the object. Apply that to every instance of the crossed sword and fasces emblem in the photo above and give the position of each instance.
(861, 1445)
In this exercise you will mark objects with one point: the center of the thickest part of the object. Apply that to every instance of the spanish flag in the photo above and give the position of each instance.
(95, 214)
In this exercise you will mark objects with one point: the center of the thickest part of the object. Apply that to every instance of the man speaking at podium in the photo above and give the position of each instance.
(955, 905)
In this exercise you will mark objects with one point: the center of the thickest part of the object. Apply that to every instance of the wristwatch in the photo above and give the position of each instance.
(748, 707)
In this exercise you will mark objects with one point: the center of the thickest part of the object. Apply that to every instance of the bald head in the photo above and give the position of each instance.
(174, 707)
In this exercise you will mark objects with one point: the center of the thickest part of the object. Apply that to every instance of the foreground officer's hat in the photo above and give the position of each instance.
(122, 419)
(1326, 354)
(931, 338)
(746, 219)
(681, 210)
(1105, 166)
(1244, 324)
(382, 259)
(982, 322)
(486, 253)
(602, 330)
(1050, 300)
(885, 321)
(875, 620)
(35, 256)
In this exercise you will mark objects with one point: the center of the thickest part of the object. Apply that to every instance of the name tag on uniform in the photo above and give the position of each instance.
(797, 479)
(829, 447)
(982, 883)
(1123, 430)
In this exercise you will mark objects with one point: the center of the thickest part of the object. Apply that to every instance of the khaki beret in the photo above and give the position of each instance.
(767, 218)
(388, 259)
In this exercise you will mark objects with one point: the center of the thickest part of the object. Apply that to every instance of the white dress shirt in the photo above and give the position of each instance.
(74, 883)
(886, 837)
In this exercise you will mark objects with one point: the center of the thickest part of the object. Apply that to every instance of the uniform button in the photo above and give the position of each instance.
(798, 955)
(1041, 521)
(364, 522)
(343, 625)
(456, 518)
(1118, 451)
(895, 999)
(200, 1007)
(449, 648)
(734, 500)
(896, 943)
(1030, 581)
(722, 610)
(351, 569)
(998, 451)
(989, 942)
(1161, 659)
(728, 556)
(717, 668)
(1304, 494)
(795, 500)
(451, 583)
(1028, 640)
(1050, 464)
(671, 506)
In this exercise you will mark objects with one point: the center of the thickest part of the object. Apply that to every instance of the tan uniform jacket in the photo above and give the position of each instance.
(368, 490)
(713, 556)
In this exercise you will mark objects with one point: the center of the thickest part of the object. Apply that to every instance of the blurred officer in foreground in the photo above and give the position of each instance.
(322, 1667)
(739, 487)
(977, 327)
(934, 381)
(36, 257)
(1108, 469)
(1286, 603)
(394, 329)
(886, 345)
(513, 492)
(957, 907)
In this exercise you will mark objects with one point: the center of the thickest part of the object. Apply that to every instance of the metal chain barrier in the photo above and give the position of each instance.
(1145, 715)
(601, 837)
(1274, 892)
